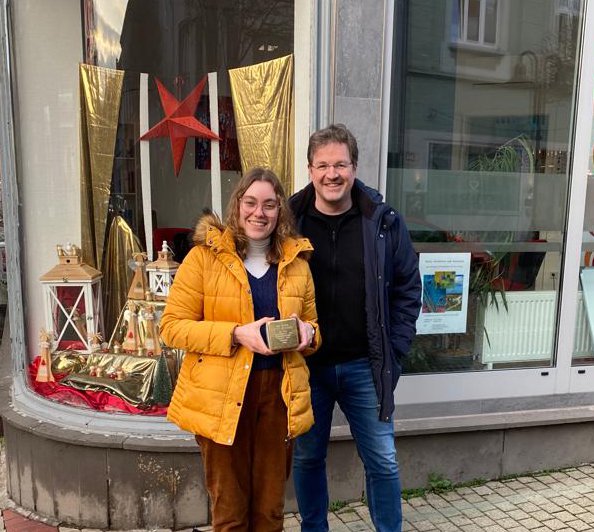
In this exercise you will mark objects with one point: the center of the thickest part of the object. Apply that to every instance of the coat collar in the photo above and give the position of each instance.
(220, 240)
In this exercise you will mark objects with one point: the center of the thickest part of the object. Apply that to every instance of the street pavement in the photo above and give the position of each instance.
(561, 501)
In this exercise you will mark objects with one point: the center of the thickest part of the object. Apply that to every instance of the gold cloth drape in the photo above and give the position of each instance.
(122, 243)
(263, 106)
(100, 96)
(137, 386)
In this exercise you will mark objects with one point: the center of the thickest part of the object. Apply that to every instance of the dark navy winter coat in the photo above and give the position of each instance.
(392, 286)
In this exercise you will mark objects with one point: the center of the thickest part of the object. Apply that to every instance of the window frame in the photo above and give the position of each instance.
(561, 378)
(462, 24)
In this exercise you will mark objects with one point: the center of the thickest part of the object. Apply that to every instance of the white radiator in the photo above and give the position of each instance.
(526, 331)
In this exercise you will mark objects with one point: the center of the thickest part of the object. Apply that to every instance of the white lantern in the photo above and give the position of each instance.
(72, 300)
(161, 273)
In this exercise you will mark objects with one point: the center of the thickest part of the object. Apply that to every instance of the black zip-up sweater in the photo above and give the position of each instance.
(338, 273)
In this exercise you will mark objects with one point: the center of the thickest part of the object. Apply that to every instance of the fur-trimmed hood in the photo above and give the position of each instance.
(207, 220)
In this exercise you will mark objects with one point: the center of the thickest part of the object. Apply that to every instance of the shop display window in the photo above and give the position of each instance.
(99, 346)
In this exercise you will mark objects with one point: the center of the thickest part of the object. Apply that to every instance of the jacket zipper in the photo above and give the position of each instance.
(379, 280)
(285, 372)
(334, 250)
(383, 235)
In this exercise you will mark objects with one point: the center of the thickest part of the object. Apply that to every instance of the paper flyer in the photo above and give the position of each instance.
(445, 278)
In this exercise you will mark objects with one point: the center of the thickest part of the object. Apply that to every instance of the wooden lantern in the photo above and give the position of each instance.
(161, 273)
(72, 300)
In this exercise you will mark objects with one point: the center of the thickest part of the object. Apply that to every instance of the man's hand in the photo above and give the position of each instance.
(306, 333)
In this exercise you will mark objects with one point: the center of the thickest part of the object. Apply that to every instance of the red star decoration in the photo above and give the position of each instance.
(179, 122)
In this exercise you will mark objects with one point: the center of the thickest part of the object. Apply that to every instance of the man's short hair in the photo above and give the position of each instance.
(338, 133)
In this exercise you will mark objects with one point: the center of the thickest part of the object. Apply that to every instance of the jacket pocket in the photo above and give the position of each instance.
(196, 367)
(396, 367)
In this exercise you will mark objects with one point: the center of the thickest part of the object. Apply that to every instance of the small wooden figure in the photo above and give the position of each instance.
(79, 323)
(96, 342)
(139, 284)
(130, 342)
(151, 338)
(44, 371)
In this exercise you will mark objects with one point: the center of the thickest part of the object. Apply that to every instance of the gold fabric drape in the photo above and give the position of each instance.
(263, 106)
(122, 243)
(67, 362)
(136, 388)
(100, 95)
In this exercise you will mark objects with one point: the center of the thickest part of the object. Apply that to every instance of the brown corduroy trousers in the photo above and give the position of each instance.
(246, 481)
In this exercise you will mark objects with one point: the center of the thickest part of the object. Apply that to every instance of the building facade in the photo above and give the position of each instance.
(474, 119)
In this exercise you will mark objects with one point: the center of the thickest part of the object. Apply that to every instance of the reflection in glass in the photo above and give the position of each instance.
(179, 42)
(480, 134)
(473, 20)
(490, 21)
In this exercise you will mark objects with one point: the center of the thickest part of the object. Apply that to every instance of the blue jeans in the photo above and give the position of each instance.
(351, 385)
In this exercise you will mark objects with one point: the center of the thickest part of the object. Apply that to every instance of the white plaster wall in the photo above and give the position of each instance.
(304, 76)
(47, 47)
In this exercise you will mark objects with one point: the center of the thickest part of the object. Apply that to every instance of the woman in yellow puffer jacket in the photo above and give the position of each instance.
(243, 402)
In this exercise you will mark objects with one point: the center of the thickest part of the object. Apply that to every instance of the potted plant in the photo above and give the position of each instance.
(452, 352)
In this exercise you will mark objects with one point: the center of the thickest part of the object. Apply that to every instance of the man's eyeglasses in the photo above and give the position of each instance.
(324, 167)
(268, 207)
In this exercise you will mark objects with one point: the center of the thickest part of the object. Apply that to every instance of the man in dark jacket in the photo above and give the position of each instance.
(368, 297)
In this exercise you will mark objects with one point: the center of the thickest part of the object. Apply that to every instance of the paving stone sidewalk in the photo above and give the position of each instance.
(562, 501)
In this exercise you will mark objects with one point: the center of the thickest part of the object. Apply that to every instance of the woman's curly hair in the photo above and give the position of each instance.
(285, 225)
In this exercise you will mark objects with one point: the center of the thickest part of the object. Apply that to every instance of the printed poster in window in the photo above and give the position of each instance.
(445, 278)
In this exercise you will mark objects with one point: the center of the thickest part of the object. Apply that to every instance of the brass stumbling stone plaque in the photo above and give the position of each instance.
(283, 335)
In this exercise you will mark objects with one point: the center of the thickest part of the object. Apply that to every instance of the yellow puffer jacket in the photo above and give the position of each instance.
(209, 297)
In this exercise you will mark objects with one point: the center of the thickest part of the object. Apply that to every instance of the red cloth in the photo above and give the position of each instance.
(102, 401)
(167, 233)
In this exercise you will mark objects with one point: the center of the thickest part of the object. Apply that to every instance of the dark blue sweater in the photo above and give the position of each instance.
(265, 298)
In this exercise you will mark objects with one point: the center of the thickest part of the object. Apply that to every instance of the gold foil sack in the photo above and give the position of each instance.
(122, 243)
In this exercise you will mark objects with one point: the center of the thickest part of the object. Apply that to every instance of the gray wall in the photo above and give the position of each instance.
(358, 78)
